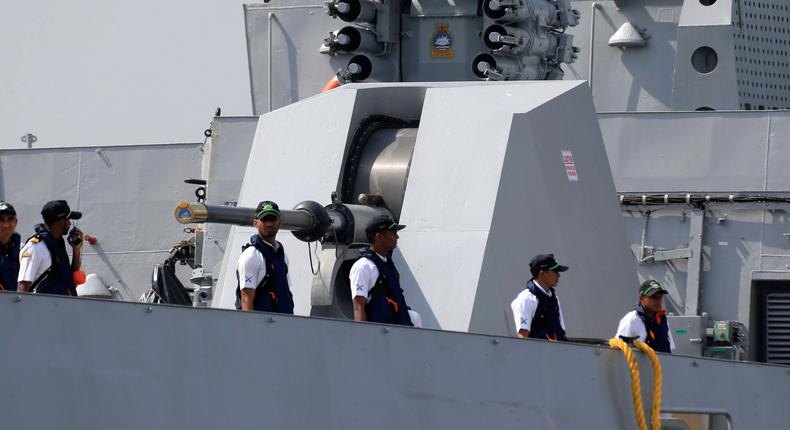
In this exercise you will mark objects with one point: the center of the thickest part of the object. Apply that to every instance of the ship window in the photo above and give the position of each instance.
(704, 59)
(707, 2)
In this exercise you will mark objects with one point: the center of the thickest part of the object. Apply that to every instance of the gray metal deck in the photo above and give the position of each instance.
(98, 364)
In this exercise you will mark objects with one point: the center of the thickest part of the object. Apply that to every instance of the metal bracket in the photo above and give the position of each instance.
(671, 254)
(30, 139)
(695, 262)
(693, 253)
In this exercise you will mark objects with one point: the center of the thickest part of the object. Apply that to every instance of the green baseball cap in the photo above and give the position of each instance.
(545, 262)
(265, 208)
(651, 288)
(383, 223)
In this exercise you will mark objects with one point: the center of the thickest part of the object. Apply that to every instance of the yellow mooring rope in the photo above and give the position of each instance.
(636, 390)
(658, 383)
(636, 384)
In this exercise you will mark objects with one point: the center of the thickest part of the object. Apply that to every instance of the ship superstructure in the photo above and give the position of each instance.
(485, 174)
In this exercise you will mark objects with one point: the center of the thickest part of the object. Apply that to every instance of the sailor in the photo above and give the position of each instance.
(648, 322)
(9, 247)
(262, 277)
(43, 262)
(375, 282)
(536, 310)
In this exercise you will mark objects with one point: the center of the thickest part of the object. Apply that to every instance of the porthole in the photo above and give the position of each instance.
(704, 59)
(704, 108)
(707, 2)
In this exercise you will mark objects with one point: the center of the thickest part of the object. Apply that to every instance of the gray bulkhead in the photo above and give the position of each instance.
(126, 194)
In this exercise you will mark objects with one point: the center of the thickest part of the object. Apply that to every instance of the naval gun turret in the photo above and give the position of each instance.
(484, 175)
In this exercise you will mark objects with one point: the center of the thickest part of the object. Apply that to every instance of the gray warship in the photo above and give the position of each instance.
(634, 139)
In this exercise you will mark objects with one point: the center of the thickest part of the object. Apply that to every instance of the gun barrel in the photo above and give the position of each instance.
(198, 213)
(309, 221)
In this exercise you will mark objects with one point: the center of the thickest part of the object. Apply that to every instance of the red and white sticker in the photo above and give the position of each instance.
(570, 166)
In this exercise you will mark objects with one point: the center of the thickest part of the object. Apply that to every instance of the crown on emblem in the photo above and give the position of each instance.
(442, 28)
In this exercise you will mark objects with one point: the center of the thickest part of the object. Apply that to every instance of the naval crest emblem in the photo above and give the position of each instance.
(184, 212)
(442, 42)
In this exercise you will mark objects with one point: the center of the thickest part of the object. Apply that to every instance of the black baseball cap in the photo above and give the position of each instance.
(651, 288)
(6, 208)
(58, 209)
(267, 207)
(381, 224)
(545, 262)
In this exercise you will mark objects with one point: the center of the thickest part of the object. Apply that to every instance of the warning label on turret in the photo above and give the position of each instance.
(570, 166)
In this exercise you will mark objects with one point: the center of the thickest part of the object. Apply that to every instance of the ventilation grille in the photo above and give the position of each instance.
(777, 324)
(762, 53)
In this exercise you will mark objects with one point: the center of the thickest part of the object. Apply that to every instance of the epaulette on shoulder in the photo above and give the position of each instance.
(35, 239)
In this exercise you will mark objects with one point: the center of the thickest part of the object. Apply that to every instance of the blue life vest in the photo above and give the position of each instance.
(657, 330)
(546, 323)
(272, 294)
(386, 303)
(9, 263)
(58, 278)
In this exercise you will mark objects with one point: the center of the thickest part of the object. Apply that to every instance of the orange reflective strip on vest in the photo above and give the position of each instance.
(393, 303)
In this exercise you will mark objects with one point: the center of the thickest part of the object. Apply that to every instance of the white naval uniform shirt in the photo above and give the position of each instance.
(34, 260)
(363, 277)
(252, 267)
(632, 326)
(525, 305)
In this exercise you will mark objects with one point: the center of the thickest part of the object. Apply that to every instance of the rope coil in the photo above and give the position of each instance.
(636, 384)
